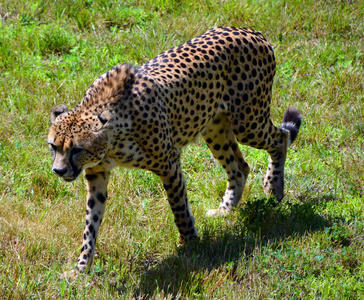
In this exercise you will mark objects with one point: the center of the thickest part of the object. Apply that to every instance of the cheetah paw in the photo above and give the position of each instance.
(72, 274)
(216, 213)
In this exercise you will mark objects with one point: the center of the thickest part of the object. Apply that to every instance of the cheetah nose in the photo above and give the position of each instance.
(60, 172)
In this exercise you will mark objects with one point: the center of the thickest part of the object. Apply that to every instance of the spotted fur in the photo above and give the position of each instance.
(218, 84)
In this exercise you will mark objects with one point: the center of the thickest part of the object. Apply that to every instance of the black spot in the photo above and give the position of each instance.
(91, 203)
(259, 91)
(95, 218)
(226, 97)
(90, 177)
(251, 136)
(217, 147)
(101, 197)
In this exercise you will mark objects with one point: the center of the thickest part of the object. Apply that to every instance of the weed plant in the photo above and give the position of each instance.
(310, 246)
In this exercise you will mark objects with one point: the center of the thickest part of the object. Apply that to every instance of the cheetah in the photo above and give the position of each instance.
(218, 84)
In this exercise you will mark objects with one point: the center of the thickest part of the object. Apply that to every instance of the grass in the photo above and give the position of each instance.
(309, 246)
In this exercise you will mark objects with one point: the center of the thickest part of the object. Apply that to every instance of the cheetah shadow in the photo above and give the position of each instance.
(260, 224)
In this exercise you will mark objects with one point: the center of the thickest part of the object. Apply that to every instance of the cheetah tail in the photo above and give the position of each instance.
(292, 121)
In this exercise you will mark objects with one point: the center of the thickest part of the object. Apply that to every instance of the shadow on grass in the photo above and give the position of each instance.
(260, 223)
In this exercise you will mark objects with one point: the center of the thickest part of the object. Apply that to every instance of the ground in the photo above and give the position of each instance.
(311, 245)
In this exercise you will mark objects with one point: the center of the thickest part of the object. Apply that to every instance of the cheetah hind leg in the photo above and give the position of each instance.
(222, 143)
(274, 179)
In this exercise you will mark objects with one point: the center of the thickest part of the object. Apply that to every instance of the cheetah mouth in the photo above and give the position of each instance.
(69, 178)
(72, 177)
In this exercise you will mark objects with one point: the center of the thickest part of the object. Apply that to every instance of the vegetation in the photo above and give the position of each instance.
(309, 246)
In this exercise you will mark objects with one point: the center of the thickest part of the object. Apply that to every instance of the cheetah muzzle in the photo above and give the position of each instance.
(218, 84)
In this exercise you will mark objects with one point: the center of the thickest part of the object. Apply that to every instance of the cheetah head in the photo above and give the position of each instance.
(76, 142)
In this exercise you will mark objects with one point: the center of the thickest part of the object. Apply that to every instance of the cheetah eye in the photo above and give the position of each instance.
(76, 150)
(54, 147)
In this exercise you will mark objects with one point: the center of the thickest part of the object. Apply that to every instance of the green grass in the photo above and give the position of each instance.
(311, 246)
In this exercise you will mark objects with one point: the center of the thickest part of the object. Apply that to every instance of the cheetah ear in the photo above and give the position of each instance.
(105, 117)
(57, 111)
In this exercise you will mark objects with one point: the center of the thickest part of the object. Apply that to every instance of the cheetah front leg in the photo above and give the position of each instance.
(175, 186)
(96, 202)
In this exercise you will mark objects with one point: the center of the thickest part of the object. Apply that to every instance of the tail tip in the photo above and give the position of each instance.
(292, 121)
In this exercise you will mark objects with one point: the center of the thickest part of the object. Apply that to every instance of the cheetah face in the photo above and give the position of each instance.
(74, 144)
